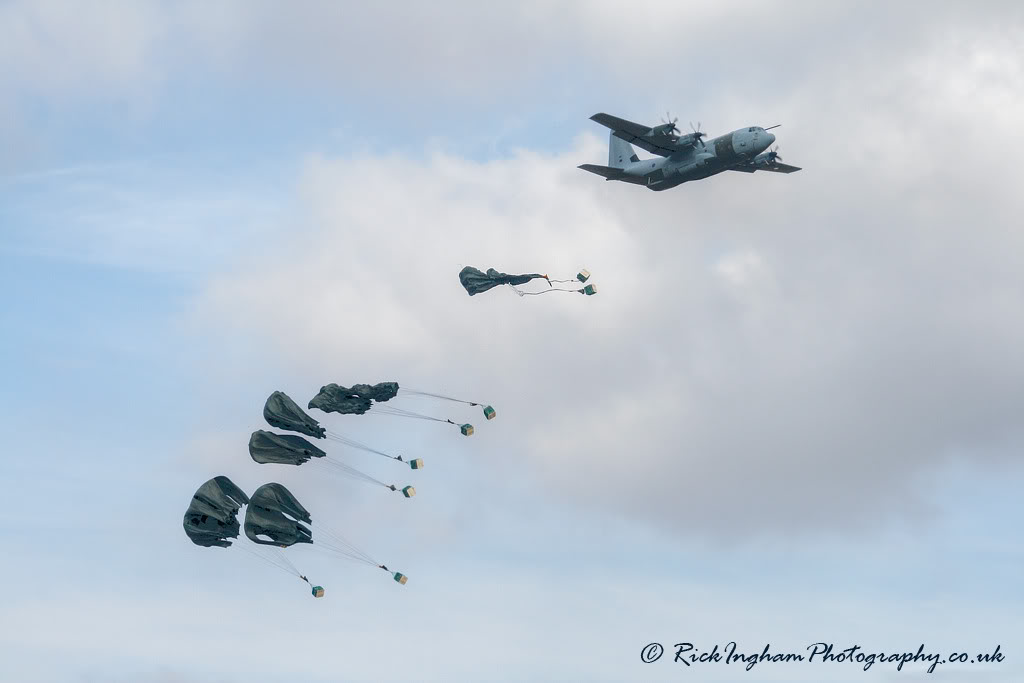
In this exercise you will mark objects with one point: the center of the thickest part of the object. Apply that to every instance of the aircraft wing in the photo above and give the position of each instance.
(780, 168)
(774, 168)
(637, 134)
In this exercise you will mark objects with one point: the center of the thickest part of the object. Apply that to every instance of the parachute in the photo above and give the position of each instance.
(287, 449)
(475, 281)
(360, 398)
(275, 513)
(282, 412)
(275, 517)
(265, 447)
(355, 400)
(212, 516)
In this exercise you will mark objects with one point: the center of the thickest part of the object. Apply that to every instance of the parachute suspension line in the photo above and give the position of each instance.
(441, 396)
(341, 542)
(345, 470)
(345, 553)
(346, 547)
(278, 560)
(342, 439)
(287, 562)
(341, 553)
(391, 410)
(553, 289)
(271, 562)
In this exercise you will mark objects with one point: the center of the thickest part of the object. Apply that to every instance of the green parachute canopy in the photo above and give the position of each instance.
(476, 281)
(354, 400)
(211, 517)
(267, 447)
(275, 513)
(282, 412)
(288, 449)
(360, 398)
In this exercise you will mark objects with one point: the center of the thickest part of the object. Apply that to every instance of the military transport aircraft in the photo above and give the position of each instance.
(684, 157)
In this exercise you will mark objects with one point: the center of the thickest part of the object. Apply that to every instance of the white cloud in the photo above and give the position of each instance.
(55, 56)
(56, 49)
(243, 631)
(767, 356)
(838, 358)
(478, 54)
(740, 268)
(866, 319)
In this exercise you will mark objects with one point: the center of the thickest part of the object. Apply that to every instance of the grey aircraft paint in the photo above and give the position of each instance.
(682, 158)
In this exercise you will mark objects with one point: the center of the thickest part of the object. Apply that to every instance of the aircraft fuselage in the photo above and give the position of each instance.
(699, 160)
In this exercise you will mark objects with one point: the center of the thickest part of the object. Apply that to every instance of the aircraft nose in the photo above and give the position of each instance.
(770, 138)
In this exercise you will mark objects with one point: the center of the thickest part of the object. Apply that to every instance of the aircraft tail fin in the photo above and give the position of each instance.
(605, 171)
(620, 152)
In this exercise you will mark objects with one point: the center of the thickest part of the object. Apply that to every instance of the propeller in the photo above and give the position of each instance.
(670, 122)
(773, 155)
(697, 134)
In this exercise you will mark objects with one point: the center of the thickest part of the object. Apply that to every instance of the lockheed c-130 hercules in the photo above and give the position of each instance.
(683, 157)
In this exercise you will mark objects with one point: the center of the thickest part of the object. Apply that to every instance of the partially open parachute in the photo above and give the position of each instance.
(354, 400)
(212, 515)
(360, 398)
(276, 514)
(274, 519)
(212, 518)
(266, 447)
(476, 281)
(288, 449)
(282, 412)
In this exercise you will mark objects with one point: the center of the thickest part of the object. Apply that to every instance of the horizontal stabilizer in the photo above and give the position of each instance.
(606, 171)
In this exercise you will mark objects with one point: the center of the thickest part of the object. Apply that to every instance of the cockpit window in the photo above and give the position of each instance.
(750, 130)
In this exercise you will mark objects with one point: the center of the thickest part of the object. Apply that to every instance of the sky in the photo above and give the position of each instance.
(791, 414)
